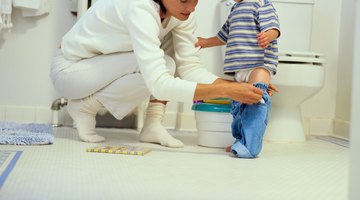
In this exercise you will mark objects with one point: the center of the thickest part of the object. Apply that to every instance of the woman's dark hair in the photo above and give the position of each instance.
(162, 7)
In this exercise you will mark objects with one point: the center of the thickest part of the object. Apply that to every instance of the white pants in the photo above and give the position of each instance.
(113, 79)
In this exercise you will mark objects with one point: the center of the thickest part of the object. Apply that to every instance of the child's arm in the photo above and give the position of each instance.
(264, 38)
(208, 42)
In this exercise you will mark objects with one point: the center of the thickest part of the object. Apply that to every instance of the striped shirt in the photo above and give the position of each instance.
(246, 19)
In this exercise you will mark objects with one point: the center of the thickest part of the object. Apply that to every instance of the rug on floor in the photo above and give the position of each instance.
(25, 133)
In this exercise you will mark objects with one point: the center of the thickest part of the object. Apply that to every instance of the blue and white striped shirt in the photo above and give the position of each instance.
(246, 19)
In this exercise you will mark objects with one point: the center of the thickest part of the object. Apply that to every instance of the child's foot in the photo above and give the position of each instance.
(228, 149)
(239, 150)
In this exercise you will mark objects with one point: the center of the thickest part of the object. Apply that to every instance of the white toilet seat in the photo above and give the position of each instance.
(301, 57)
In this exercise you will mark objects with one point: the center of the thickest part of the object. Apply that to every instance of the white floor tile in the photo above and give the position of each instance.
(313, 170)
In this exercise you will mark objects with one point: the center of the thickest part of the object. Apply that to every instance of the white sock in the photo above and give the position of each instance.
(83, 112)
(153, 131)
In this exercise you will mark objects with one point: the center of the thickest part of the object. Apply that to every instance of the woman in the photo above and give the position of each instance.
(121, 52)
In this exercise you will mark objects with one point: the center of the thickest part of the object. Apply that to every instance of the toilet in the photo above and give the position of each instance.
(300, 72)
(300, 76)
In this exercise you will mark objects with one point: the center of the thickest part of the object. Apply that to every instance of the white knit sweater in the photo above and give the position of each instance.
(111, 26)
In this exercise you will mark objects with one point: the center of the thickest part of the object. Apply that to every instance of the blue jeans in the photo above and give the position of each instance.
(249, 124)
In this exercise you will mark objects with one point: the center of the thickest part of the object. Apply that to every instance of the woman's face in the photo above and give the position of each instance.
(180, 9)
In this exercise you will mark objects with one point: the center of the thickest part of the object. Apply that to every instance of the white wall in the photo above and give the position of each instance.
(344, 72)
(354, 193)
(207, 27)
(329, 111)
(25, 57)
(319, 111)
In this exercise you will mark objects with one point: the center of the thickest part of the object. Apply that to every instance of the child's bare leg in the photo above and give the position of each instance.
(259, 75)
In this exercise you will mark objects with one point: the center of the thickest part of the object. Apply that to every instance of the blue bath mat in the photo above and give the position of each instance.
(25, 133)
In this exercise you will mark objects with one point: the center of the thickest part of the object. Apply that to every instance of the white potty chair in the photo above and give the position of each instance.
(213, 122)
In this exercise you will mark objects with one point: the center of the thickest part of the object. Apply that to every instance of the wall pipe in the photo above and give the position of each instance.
(56, 105)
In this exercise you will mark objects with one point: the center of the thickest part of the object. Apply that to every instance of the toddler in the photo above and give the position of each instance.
(250, 34)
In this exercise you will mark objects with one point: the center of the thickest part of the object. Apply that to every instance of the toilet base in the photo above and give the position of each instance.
(285, 125)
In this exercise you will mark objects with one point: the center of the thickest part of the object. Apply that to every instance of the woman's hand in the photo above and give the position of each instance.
(241, 92)
(244, 93)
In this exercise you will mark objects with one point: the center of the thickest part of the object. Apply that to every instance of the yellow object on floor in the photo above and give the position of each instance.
(128, 150)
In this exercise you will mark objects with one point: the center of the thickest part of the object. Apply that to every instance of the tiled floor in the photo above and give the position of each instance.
(313, 170)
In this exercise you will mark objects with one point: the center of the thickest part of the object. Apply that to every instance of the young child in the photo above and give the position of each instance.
(250, 34)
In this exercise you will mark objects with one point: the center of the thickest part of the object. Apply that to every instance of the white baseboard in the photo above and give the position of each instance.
(183, 121)
(170, 120)
(319, 126)
(330, 127)
(26, 114)
(186, 121)
(342, 129)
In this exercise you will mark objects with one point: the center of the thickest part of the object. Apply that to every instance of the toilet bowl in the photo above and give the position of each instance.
(299, 77)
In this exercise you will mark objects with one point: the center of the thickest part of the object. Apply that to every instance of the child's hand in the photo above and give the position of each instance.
(208, 42)
(201, 42)
(263, 39)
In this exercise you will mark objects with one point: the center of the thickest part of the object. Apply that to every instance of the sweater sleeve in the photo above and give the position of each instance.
(143, 25)
(268, 18)
(187, 56)
(223, 34)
